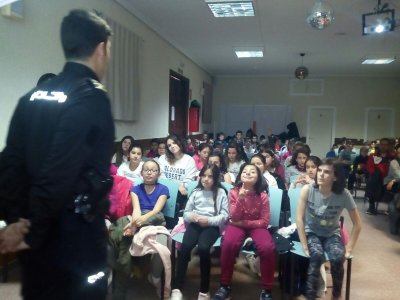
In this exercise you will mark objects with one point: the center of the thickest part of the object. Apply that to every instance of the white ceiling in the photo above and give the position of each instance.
(280, 27)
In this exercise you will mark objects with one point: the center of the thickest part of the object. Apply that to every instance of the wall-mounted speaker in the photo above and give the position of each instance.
(14, 10)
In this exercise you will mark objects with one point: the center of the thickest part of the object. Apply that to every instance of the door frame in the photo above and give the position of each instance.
(311, 107)
(367, 110)
(186, 83)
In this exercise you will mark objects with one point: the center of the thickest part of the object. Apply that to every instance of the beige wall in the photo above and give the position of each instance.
(349, 95)
(31, 47)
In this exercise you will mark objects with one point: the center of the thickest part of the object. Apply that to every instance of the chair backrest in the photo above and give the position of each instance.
(137, 181)
(294, 196)
(293, 178)
(170, 205)
(191, 186)
(227, 186)
(275, 202)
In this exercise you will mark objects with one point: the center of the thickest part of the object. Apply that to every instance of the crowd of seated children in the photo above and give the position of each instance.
(122, 154)
(248, 201)
(131, 169)
(205, 215)
(201, 156)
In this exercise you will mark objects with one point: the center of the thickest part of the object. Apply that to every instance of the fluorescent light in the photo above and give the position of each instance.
(247, 52)
(378, 61)
(231, 8)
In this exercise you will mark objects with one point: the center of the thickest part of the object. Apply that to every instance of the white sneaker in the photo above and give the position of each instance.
(203, 296)
(176, 295)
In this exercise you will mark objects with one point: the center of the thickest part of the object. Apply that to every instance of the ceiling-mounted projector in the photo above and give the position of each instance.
(381, 20)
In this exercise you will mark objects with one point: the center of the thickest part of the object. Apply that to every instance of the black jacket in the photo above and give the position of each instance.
(59, 131)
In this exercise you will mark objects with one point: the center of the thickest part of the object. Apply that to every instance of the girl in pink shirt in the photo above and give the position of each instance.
(249, 217)
(201, 157)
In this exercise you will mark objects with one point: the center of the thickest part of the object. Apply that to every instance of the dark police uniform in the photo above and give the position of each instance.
(60, 132)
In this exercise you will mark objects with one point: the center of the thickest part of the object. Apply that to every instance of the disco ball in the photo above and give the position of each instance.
(301, 72)
(321, 16)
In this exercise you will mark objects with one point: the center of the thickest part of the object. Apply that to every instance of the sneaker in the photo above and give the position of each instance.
(156, 282)
(223, 293)
(371, 211)
(176, 295)
(265, 295)
(203, 296)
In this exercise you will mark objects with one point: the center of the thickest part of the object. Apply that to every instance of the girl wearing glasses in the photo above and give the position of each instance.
(148, 200)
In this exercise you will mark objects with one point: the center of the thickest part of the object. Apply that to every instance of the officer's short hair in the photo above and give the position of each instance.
(81, 32)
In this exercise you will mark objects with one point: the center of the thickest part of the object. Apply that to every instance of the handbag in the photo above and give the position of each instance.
(282, 244)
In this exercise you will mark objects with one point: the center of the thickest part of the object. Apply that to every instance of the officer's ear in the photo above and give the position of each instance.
(101, 49)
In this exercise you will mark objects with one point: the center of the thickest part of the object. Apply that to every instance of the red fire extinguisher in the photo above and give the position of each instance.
(194, 116)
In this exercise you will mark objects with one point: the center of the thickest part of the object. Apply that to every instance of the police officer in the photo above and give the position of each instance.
(54, 171)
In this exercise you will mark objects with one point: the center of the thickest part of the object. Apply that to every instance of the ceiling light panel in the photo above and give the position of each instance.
(377, 61)
(249, 52)
(231, 8)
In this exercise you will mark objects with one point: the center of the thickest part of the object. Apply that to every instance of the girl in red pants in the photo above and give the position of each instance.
(249, 217)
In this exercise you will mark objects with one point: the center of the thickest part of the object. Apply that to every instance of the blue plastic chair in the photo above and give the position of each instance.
(275, 202)
(294, 196)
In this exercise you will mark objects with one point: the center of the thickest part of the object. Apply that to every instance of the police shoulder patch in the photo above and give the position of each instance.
(98, 85)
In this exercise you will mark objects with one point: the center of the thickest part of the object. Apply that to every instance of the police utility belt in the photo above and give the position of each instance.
(94, 200)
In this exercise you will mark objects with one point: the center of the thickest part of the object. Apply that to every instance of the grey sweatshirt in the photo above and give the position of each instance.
(202, 203)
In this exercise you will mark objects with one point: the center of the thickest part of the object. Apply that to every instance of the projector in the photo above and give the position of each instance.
(378, 22)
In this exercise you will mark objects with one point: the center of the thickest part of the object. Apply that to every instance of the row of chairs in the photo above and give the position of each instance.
(275, 196)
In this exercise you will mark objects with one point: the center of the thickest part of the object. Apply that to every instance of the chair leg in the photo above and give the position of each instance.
(292, 263)
(348, 278)
(283, 274)
(173, 260)
(5, 268)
